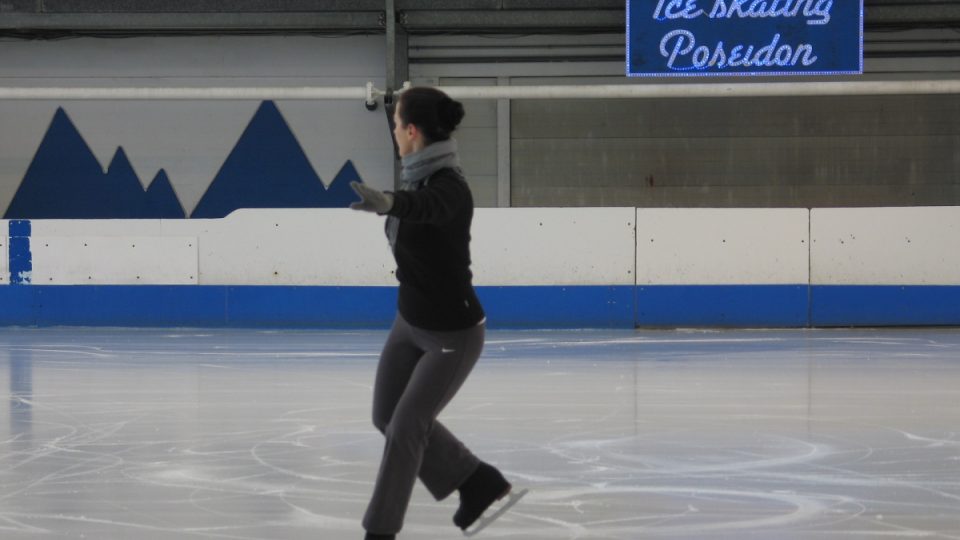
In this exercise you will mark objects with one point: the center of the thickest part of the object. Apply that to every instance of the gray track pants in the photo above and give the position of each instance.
(419, 373)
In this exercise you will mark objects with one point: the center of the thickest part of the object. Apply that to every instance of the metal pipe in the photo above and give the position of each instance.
(705, 90)
(638, 90)
(391, 24)
(197, 93)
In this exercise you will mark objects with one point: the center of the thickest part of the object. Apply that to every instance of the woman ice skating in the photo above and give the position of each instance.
(438, 332)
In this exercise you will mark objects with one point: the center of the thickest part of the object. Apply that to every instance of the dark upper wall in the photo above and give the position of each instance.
(895, 150)
(351, 16)
(737, 152)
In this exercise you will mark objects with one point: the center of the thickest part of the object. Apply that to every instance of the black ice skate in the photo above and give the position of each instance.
(484, 487)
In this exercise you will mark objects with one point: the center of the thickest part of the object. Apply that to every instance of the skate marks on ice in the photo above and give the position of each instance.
(484, 522)
(746, 435)
(687, 435)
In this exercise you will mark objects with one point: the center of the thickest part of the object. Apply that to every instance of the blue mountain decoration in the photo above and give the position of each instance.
(339, 192)
(122, 190)
(65, 181)
(266, 169)
(161, 201)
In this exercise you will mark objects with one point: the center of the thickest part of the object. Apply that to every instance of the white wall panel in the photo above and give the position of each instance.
(291, 247)
(94, 227)
(729, 246)
(553, 246)
(114, 260)
(886, 246)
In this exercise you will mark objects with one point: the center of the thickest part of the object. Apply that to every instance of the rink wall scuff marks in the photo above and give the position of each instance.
(534, 267)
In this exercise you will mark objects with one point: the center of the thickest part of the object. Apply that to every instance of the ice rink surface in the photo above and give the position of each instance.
(243, 434)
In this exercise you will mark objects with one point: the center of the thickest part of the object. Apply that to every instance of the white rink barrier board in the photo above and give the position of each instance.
(722, 246)
(93, 260)
(296, 247)
(587, 246)
(885, 266)
(553, 246)
(534, 267)
(722, 267)
(885, 246)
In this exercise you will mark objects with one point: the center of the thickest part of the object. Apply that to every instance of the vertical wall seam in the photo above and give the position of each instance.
(503, 149)
(809, 267)
(636, 279)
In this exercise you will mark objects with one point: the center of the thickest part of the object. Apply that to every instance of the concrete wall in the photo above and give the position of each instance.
(771, 152)
(477, 140)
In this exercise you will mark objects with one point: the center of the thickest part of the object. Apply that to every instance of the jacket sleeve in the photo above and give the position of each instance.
(438, 201)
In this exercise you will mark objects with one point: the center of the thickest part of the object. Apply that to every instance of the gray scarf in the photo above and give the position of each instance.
(417, 168)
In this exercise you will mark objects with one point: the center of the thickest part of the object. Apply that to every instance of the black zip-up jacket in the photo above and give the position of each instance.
(433, 254)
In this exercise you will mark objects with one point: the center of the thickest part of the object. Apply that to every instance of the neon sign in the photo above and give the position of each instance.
(744, 37)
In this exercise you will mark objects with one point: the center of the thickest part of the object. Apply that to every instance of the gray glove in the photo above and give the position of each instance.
(371, 200)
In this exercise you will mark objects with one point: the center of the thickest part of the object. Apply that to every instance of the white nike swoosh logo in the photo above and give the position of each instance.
(444, 350)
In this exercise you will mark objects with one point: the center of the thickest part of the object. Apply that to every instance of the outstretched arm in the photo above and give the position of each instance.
(439, 201)
(371, 200)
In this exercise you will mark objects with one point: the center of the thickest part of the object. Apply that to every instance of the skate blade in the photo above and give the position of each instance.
(482, 524)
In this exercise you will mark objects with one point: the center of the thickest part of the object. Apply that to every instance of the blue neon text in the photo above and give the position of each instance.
(680, 49)
(817, 12)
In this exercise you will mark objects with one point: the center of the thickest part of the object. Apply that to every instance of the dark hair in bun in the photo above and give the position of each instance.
(432, 111)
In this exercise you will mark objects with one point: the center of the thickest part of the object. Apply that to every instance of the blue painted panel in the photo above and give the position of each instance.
(19, 259)
(723, 305)
(507, 307)
(741, 37)
(294, 307)
(17, 306)
(558, 307)
(890, 305)
(216, 306)
(128, 305)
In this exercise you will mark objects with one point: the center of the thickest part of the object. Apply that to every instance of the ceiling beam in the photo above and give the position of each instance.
(929, 14)
(512, 21)
(193, 22)
(415, 16)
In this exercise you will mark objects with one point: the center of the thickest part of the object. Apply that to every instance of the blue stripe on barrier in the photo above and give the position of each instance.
(17, 306)
(559, 306)
(296, 307)
(146, 305)
(885, 305)
(293, 307)
(722, 305)
(507, 307)
(189, 305)
(19, 260)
